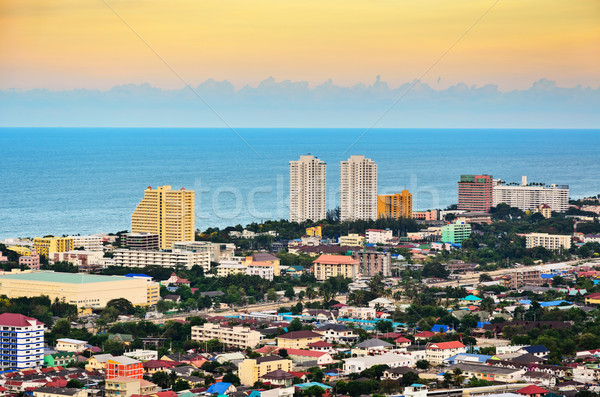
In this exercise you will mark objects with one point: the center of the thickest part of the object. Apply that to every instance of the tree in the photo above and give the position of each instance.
(123, 305)
(384, 326)
(282, 353)
(289, 292)
(62, 328)
(230, 377)
(484, 277)
(423, 364)
(75, 384)
(272, 295)
(409, 378)
(435, 269)
(181, 384)
(295, 325)
(161, 379)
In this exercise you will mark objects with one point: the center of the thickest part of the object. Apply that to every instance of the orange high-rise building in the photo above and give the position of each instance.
(395, 206)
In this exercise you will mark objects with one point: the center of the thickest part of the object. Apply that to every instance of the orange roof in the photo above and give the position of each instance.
(447, 345)
(532, 389)
(336, 260)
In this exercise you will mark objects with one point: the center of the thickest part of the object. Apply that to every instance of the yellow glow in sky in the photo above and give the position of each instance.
(65, 44)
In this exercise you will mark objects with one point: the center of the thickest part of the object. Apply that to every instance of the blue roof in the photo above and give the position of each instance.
(440, 328)
(553, 303)
(481, 358)
(471, 298)
(480, 324)
(311, 384)
(218, 388)
(544, 275)
(417, 385)
(137, 275)
(536, 349)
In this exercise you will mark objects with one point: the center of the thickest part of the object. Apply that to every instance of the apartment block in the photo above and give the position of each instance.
(45, 245)
(31, 261)
(429, 215)
(122, 386)
(242, 337)
(475, 193)
(78, 258)
(358, 189)
(124, 366)
(378, 236)
(352, 240)
(395, 206)
(176, 257)
(307, 189)
(456, 232)
(168, 213)
(374, 262)
(89, 243)
(528, 197)
(524, 276)
(250, 370)
(140, 241)
(22, 342)
(327, 266)
(548, 241)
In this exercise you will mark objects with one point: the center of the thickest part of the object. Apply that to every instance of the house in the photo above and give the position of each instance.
(59, 392)
(153, 366)
(174, 279)
(297, 339)
(437, 352)
(402, 342)
(221, 388)
(70, 345)
(539, 378)
(382, 303)
(359, 364)
(126, 339)
(441, 329)
(61, 359)
(532, 391)
(321, 346)
(424, 335)
(97, 362)
(396, 373)
(305, 386)
(123, 386)
(337, 333)
(234, 357)
(250, 370)
(537, 350)
(371, 346)
(467, 358)
(489, 372)
(592, 299)
(309, 358)
(278, 378)
(358, 313)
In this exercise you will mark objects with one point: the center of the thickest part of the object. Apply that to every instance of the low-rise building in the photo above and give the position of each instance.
(31, 261)
(59, 359)
(171, 259)
(46, 391)
(327, 266)
(490, 373)
(394, 360)
(70, 345)
(266, 272)
(45, 245)
(123, 366)
(230, 268)
(548, 241)
(297, 339)
(142, 355)
(78, 258)
(242, 337)
(97, 362)
(122, 386)
(309, 358)
(438, 352)
(337, 333)
(357, 313)
(456, 232)
(93, 242)
(378, 236)
(266, 259)
(352, 240)
(252, 369)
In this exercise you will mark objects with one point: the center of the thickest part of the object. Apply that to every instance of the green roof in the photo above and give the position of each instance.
(69, 278)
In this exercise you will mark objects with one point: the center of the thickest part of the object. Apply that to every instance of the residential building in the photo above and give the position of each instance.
(378, 236)
(337, 333)
(23, 342)
(438, 352)
(46, 391)
(352, 240)
(93, 242)
(122, 386)
(172, 258)
(124, 366)
(371, 347)
(373, 262)
(242, 337)
(168, 213)
(83, 290)
(307, 189)
(474, 217)
(97, 362)
(524, 276)
(70, 345)
(315, 231)
(358, 313)
(548, 241)
(393, 360)
(20, 249)
(264, 258)
(429, 215)
(230, 268)
(32, 260)
(592, 299)
(250, 370)
(358, 187)
(140, 241)
(545, 210)
(527, 197)
(309, 358)
(214, 252)
(45, 245)
(475, 193)
(456, 232)
(395, 206)
(77, 257)
(59, 359)
(261, 270)
(327, 266)
(490, 373)
(142, 355)
(297, 339)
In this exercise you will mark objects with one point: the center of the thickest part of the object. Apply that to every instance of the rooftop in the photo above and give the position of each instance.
(336, 259)
(18, 320)
(68, 278)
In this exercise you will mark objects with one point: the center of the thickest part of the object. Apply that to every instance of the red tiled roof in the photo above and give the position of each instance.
(594, 295)
(159, 364)
(532, 389)
(17, 320)
(320, 343)
(305, 353)
(424, 334)
(336, 259)
(402, 340)
(446, 345)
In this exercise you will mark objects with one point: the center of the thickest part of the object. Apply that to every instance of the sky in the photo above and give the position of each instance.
(62, 45)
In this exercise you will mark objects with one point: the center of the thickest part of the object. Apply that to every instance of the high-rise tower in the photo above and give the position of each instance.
(307, 189)
(358, 189)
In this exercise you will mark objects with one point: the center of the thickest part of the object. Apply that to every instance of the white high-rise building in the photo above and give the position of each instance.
(528, 197)
(358, 185)
(307, 189)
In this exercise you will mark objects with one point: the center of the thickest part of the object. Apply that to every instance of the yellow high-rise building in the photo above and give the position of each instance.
(168, 213)
(46, 245)
(395, 206)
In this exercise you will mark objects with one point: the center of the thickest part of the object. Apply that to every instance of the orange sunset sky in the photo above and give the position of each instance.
(66, 44)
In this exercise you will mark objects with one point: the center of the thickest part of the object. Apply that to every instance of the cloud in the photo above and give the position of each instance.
(294, 104)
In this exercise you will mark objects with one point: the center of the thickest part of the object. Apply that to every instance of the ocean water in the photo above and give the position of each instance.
(63, 181)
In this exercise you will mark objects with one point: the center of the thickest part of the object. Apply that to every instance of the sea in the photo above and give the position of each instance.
(89, 180)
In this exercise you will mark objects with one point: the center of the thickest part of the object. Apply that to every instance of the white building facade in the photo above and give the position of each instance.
(22, 342)
(528, 197)
(307, 189)
(358, 189)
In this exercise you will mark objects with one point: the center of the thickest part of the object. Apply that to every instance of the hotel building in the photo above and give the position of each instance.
(475, 193)
(307, 189)
(22, 342)
(327, 266)
(548, 241)
(395, 206)
(176, 257)
(89, 243)
(528, 197)
(242, 337)
(168, 213)
(45, 245)
(358, 189)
